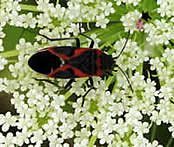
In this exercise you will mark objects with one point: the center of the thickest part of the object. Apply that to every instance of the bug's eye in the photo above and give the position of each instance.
(44, 62)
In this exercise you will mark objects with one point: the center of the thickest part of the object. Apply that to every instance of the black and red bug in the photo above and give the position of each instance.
(70, 62)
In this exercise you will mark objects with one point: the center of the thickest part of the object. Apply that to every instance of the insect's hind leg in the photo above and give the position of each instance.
(83, 97)
(90, 80)
(91, 87)
(48, 81)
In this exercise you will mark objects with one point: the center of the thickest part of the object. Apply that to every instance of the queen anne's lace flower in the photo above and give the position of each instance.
(166, 7)
(131, 21)
(159, 32)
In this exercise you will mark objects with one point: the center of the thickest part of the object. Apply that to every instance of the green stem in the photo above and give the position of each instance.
(8, 54)
(92, 141)
(153, 132)
(67, 95)
(29, 8)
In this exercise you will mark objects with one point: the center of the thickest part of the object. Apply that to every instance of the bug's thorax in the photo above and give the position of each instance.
(107, 62)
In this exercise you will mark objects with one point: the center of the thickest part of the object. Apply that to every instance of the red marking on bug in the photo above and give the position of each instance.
(76, 53)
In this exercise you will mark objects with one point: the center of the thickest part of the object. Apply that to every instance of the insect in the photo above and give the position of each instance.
(70, 62)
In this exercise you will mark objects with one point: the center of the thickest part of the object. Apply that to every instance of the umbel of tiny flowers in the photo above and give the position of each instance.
(132, 21)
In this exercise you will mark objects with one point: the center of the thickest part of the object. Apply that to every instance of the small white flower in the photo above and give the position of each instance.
(66, 130)
(141, 128)
(7, 121)
(130, 20)
(38, 137)
(7, 141)
(43, 5)
(43, 19)
(101, 21)
(155, 64)
(107, 7)
(82, 136)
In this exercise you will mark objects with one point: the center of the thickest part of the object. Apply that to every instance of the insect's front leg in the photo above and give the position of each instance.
(58, 39)
(92, 41)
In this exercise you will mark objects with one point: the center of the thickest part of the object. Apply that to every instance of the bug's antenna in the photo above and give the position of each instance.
(125, 77)
(123, 46)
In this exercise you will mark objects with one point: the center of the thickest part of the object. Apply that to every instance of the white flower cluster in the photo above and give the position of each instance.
(76, 12)
(10, 14)
(166, 8)
(134, 2)
(164, 67)
(159, 32)
(130, 21)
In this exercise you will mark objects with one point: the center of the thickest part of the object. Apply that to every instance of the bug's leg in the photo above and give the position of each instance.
(104, 49)
(92, 41)
(68, 84)
(83, 97)
(109, 73)
(57, 39)
(130, 86)
(90, 82)
(48, 81)
(91, 87)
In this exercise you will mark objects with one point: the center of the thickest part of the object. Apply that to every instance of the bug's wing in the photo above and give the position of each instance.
(86, 62)
(65, 52)
(43, 62)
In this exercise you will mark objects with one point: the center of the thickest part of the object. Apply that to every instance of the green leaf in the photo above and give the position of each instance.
(119, 12)
(109, 34)
(13, 34)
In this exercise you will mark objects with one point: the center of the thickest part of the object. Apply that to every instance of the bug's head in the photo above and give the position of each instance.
(107, 62)
(44, 62)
